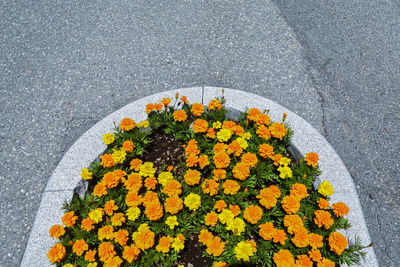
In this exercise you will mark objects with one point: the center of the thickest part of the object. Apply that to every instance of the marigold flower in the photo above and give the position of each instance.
(205, 237)
(154, 211)
(158, 106)
(315, 255)
(87, 224)
(164, 244)
(252, 114)
(147, 170)
(128, 146)
(324, 262)
(69, 219)
(250, 159)
(106, 232)
(279, 237)
(192, 177)
(118, 219)
(149, 108)
(235, 209)
(315, 240)
(172, 221)
(134, 182)
(215, 247)
(180, 115)
(225, 216)
(178, 244)
(236, 225)
(144, 239)
(107, 161)
(340, 209)
(164, 177)
(220, 205)
(110, 207)
(230, 187)
(303, 261)
(252, 214)
(150, 197)
(106, 251)
(133, 213)
(79, 247)
(214, 104)
(241, 171)
(172, 188)
(56, 253)
(165, 101)
(56, 231)
(86, 174)
(192, 201)
(113, 262)
(283, 258)
(200, 126)
(192, 148)
(197, 109)
(285, 172)
(173, 204)
(263, 132)
(267, 231)
(268, 197)
(211, 219)
(292, 223)
(337, 242)
(291, 204)
(300, 238)
(210, 187)
(219, 174)
(278, 130)
(192, 160)
(276, 158)
(150, 183)
(90, 255)
(243, 251)
(211, 133)
(203, 161)
(325, 189)
(323, 203)
(234, 148)
(221, 160)
(131, 253)
(108, 139)
(127, 124)
(184, 100)
(96, 215)
(224, 135)
(323, 218)
(266, 150)
(121, 237)
(312, 159)
(132, 199)
(135, 164)
(262, 119)
(299, 190)
(220, 264)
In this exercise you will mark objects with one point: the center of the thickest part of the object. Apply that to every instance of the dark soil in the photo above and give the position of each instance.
(192, 254)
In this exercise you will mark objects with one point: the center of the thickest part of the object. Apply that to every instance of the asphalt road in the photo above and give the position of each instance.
(67, 64)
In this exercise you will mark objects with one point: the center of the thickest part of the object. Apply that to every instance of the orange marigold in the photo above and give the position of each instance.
(250, 159)
(135, 164)
(56, 231)
(221, 160)
(121, 237)
(56, 253)
(192, 160)
(192, 177)
(312, 159)
(184, 100)
(267, 230)
(165, 101)
(303, 261)
(149, 108)
(110, 180)
(154, 211)
(324, 262)
(87, 224)
(299, 190)
(323, 218)
(150, 183)
(172, 188)
(323, 203)
(128, 146)
(205, 237)
(203, 161)
(107, 161)
(215, 247)
(300, 238)
(315, 240)
(262, 119)
(290, 204)
(180, 115)
(214, 104)
(340, 209)
(220, 264)
(118, 219)
(315, 255)
(106, 232)
(278, 130)
(144, 239)
(131, 253)
(234, 148)
(252, 214)
(164, 244)
(235, 209)
(284, 258)
(134, 182)
(252, 114)
(191, 148)
(337, 242)
(106, 251)
(150, 197)
(211, 133)
(241, 171)
(263, 132)
(219, 174)
(173, 204)
(220, 205)
(230, 187)
(90, 255)
(210, 187)
(219, 147)
(266, 150)
(127, 124)
(200, 126)
(279, 237)
(197, 109)
(231, 125)
(292, 223)
(211, 219)
(69, 219)
(132, 199)
(276, 158)
(79, 247)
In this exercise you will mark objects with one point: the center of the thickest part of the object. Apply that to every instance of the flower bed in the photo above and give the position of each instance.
(146, 213)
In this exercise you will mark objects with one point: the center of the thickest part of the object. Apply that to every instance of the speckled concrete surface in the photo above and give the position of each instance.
(67, 64)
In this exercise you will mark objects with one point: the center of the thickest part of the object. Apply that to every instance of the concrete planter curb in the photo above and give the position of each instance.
(306, 139)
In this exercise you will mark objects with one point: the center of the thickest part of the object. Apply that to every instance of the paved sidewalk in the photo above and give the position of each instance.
(67, 64)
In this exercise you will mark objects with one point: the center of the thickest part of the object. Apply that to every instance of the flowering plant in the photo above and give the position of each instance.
(235, 190)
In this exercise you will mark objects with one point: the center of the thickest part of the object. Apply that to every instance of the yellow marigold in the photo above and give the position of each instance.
(252, 214)
(221, 160)
(165, 101)
(236, 225)
(133, 213)
(299, 190)
(107, 161)
(69, 219)
(56, 253)
(211, 219)
(164, 177)
(143, 124)
(128, 146)
(220, 205)
(285, 172)
(300, 238)
(135, 164)
(323, 203)
(241, 171)
(214, 104)
(312, 159)
(90, 255)
(127, 124)
(108, 139)
(132, 199)
(197, 109)
(173, 204)
(266, 150)
(277, 130)
(86, 174)
(118, 219)
(121, 237)
(340, 209)
(106, 232)
(154, 211)
(279, 237)
(192, 177)
(303, 261)
(180, 115)
(267, 231)
(210, 187)
(323, 218)
(200, 126)
(325, 189)
(250, 159)
(315, 255)
(225, 216)
(219, 174)
(147, 169)
(134, 182)
(192, 160)
(110, 207)
(79, 247)
(224, 135)
(150, 183)
(96, 215)
(263, 132)
(292, 223)
(243, 143)
(324, 262)
(290, 204)
(215, 247)
(56, 231)
(131, 253)
(205, 237)
(172, 221)
(252, 114)
(87, 224)
(178, 244)
(315, 240)
(172, 188)
(243, 251)
(283, 258)
(144, 239)
(203, 161)
(337, 242)
(193, 201)
(106, 251)
(230, 187)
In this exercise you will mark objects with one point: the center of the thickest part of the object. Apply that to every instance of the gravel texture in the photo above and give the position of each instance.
(67, 64)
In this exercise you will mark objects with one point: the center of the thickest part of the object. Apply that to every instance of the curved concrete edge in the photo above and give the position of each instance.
(306, 139)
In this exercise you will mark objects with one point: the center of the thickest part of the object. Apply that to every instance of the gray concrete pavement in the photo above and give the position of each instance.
(67, 64)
